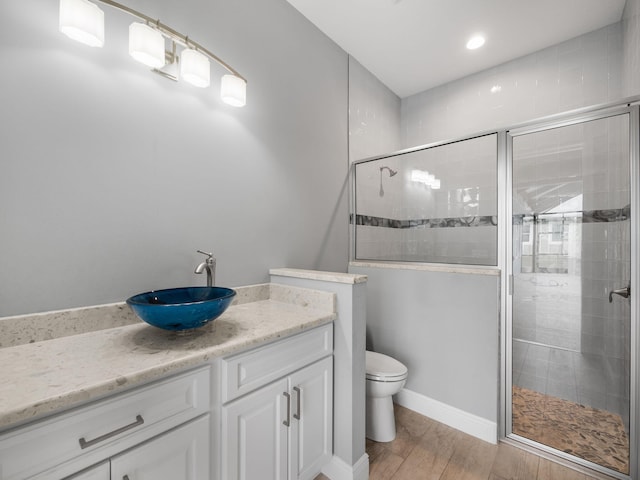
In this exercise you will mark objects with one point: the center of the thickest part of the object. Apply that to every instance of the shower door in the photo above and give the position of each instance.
(570, 289)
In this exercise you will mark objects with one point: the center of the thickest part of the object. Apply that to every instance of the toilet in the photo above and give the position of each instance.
(385, 377)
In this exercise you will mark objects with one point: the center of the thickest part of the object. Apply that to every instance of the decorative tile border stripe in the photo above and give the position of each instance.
(476, 221)
(586, 216)
(616, 215)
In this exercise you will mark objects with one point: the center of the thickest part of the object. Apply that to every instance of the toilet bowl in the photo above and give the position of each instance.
(385, 377)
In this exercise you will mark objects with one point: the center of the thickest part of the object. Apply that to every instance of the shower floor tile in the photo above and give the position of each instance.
(596, 435)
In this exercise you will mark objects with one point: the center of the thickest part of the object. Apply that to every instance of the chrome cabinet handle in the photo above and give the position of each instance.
(126, 477)
(299, 393)
(286, 420)
(623, 292)
(87, 443)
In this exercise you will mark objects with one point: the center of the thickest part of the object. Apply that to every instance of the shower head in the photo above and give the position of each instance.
(391, 172)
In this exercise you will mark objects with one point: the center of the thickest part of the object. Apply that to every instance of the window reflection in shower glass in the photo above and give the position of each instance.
(435, 205)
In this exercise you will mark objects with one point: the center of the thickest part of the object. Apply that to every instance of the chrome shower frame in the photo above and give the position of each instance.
(630, 107)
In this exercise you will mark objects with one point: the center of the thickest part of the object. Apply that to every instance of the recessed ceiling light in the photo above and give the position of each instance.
(475, 42)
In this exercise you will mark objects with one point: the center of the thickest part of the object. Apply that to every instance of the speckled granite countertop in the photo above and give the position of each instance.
(46, 376)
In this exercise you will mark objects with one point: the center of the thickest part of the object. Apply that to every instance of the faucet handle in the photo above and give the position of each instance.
(210, 258)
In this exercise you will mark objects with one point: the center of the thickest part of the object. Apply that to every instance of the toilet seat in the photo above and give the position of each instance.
(382, 368)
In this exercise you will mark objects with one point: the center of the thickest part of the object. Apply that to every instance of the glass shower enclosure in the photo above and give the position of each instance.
(552, 206)
(570, 289)
(433, 204)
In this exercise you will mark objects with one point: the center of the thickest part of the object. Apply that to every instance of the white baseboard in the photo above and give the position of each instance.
(338, 469)
(454, 417)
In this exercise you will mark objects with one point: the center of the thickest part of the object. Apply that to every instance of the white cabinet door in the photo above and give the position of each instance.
(99, 472)
(181, 454)
(311, 435)
(254, 445)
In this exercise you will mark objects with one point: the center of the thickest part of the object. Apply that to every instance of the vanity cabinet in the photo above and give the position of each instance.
(155, 421)
(261, 414)
(277, 413)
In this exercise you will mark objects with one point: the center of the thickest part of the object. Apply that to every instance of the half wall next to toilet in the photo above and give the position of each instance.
(444, 327)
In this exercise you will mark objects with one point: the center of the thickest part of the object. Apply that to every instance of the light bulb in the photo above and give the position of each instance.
(82, 21)
(194, 68)
(146, 45)
(233, 91)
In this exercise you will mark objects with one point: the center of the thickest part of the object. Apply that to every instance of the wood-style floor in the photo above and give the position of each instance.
(427, 450)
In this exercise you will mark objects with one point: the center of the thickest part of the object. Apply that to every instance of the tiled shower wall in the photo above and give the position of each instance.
(630, 48)
(374, 115)
(583, 71)
(598, 67)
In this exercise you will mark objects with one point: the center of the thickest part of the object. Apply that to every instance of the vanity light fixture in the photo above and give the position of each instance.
(83, 21)
(475, 42)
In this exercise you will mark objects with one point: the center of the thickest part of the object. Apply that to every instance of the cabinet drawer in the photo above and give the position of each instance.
(247, 371)
(181, 454)
(103, 428)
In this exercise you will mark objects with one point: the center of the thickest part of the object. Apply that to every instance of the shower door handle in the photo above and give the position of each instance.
(623, 292)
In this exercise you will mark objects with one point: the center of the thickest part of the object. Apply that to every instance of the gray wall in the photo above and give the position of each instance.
(444, 328)
(111, 176)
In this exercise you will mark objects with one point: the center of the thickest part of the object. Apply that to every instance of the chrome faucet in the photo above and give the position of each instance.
(210, 266)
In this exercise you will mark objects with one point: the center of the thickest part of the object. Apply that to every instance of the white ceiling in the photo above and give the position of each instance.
(414, 45)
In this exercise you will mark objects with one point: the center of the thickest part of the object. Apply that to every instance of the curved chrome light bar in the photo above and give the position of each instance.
(233, 85)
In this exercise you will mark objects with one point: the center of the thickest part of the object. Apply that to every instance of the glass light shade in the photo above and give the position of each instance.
(194, 68)
(233, 91)
(146, 45)
(82, 21)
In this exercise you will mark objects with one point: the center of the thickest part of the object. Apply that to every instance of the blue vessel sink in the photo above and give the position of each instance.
(179, 309)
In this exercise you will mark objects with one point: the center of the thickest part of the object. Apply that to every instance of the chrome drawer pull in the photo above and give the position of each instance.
(286, 422)
(297, 414)
(86, 444)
